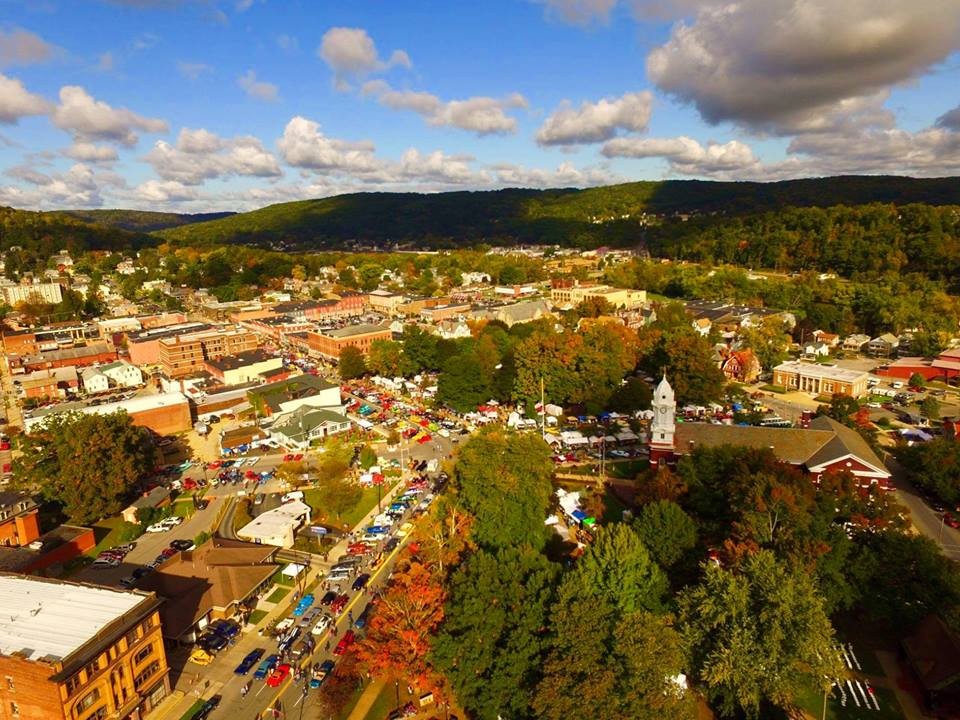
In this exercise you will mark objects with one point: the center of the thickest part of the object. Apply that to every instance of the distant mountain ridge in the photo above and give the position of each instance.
(143, 220)
(602, 215)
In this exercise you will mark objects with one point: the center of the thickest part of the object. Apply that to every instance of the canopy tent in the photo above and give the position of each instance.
(292, 570)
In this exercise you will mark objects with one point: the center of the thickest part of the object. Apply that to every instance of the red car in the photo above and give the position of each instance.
(251, 475)
(358, 549)
(337, 606)
(280, 674)
(345, 642)
(288, 457)
(213, 465)
(425, 439)
(190, 484)
(298, 457)
(950, 520)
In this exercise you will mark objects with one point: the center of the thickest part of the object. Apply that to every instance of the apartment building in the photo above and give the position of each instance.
(184, 355)
(329, 344)
(13, 295)
(78, 652)
(571, 295)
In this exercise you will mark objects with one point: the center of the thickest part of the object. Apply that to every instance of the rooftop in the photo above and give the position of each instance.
(47, 620)
(351, 330)
(825, 372)
(275, 522)
(243, 359)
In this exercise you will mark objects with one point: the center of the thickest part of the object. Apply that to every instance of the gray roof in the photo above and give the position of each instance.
(298, 423)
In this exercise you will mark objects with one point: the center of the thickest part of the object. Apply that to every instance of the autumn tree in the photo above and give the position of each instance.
(90, 464)
(338, 495)
(757, 635)
(352, 363)
(504, 481)
(688, 359)
(493, 636)
(635, 394)
(408, 613)
(385, 357)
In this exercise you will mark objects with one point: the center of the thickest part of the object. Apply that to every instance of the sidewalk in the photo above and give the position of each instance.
(367, 699)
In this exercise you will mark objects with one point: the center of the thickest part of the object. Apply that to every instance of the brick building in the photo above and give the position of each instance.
(187, 354)
(164, 413)
(19, 519)
(78, 652)
(330, 343)
(820, 379)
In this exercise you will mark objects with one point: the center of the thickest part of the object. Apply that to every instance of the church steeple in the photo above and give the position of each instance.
(663, 424)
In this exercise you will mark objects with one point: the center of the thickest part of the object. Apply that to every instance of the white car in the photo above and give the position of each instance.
(322, 624)
(158, 527)
(172, 521)
(251, 461)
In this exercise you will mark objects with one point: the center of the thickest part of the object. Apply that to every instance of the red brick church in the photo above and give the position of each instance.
(823, 447)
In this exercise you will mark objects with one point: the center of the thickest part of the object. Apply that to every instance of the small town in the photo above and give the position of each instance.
(356, 367)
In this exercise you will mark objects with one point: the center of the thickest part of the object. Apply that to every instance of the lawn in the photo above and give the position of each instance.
(628, 470)
(256, 616)
(193, 709)
(112, 531)
(352, 517)
(812, 703)
(278, 595)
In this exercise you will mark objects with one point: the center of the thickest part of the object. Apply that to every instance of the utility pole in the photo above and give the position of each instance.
(543, 413)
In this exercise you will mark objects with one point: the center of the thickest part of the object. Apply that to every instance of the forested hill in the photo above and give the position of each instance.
(614, 215)
(142, 220)
(45, 233)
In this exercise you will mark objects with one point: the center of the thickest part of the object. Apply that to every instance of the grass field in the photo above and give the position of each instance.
(193, 708)
(278, 595)
(256, 616)
(350, 518)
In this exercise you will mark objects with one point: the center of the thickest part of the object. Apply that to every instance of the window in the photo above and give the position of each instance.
(143, 654)
(93, 668)
(14, 709)
(87, 701)
(10, 683)
(148, 672)
(132, 638)
(72, 684)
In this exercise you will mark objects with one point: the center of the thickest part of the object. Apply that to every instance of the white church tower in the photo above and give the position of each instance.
(664, 424)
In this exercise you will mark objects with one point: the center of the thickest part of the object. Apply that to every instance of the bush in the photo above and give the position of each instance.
(128, 531)
(201, 538)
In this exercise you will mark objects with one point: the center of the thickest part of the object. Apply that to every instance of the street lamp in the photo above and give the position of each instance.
(396, 686)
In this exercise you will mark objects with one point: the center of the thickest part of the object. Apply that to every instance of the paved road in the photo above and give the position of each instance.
(924, 519)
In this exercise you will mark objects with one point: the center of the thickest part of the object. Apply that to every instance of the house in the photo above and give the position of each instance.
(739, 365)
(518, 313)
(277, 527)
(123, 374)
(855, 342)
(826, 446)
(219, 579)
(298, 428)
(70, 650)
(883, 346)
(828, 338)
(154, 499)
(94, 381)
(815, 349)
(702, 326)
(474, 278)
(453, 330)
(288, 395)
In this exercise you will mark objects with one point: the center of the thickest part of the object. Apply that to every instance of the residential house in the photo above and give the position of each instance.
(855, 342)
(123, 374)
(739, 365)
(94, 381)
(295, 430)
(151, 500)
(883, 346)
(815, 349)
(828, 338)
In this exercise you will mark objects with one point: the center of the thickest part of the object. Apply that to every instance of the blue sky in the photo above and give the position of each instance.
(197, 105)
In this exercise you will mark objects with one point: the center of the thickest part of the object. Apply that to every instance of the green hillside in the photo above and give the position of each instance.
(45, 233)
(142, 220)
(609, 215)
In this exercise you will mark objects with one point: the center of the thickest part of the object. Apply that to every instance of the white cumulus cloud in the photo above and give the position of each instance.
(91, 152)
(595, 122)
(201, 155)
(17, 102)
(352, 54)
(685, 155)
(89, 119)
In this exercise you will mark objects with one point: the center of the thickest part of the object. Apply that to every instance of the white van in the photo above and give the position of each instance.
(292, 495)
(897, 385)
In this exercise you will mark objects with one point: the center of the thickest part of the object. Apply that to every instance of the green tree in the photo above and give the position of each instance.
(90, 464)
(368, 457)
(463, 385)
(666, 530)
(917, 380)
(688, 361)
(419, 349)
(635, 394)
(352, 363)
(338, 495)
(504, 481)
(758, 635)
(930, 407)
(934, 466)
(386, 358)
(493, 637)
(617, 569)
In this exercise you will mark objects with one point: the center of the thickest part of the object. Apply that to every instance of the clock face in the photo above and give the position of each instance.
(663, 411)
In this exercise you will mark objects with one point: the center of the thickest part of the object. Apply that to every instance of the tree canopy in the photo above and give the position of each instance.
(90, 464)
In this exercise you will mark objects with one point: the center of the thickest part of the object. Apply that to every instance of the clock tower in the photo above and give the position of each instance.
(663, 424)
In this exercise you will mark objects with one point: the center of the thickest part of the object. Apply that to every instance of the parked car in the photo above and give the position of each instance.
(278, 675)
(320, 672)
(345, 642)
(227, 628)
(182, 545)
(328, 598)
(157, 527)
(361, 581)
(337, 606)
(323, 622)
(249, 661)
(266, 667)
